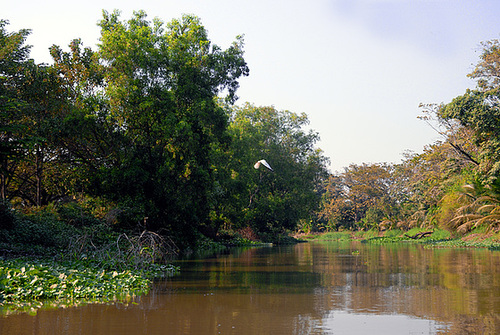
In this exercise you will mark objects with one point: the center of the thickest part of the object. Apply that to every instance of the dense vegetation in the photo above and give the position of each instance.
(113, 160)
(142, 134)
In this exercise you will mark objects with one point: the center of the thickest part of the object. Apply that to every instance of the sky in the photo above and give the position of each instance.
(358, 68)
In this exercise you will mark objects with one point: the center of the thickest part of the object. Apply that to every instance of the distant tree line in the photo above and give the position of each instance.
(454, 183)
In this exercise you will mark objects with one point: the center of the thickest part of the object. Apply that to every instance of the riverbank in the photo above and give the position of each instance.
(109, 274)
(98, 266)
(430, 237)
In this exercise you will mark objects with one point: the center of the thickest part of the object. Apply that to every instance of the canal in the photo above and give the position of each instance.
(309, 288)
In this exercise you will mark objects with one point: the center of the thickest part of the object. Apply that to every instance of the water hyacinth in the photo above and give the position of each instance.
(32, 284)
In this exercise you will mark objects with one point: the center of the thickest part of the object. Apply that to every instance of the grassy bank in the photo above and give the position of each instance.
(430, 237)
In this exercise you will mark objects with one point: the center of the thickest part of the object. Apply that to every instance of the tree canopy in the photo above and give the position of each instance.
(147, 122)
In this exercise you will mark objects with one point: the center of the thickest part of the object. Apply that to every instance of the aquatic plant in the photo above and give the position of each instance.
(28, 285)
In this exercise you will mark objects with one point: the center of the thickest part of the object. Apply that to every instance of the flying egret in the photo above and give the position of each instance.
(263, 162)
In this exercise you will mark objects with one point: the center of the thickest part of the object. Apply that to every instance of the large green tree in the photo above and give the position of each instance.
(32, 103)
(478, 114)
(13, 55)
(266, 201)
(161, 82)
(479, 111)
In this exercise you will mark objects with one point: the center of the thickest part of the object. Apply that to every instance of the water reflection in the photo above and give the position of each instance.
(313, 288)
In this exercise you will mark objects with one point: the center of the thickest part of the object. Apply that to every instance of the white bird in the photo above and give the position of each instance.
(263, 162)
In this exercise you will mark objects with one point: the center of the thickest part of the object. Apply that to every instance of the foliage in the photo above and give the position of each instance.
(335, 236)
(37, 231)
(395, 236)
(135, 122)
(30, 285)
(6, 215)
(161, 83)
(487, 71)
(365, 234)
(362, 196)
(78, 262)
(454, 183)
(135, 150)
(13, 55)
(478, 210)
(478, 111)
(268, 202)
(123, 252)
(59, 231)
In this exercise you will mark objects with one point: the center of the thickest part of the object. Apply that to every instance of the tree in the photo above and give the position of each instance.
(478, 114)
(162, 84)
(487, 71)
(478, 110)
(13, 55)
(363, 195)
(33, 100)
(88, 134)
(271, 202)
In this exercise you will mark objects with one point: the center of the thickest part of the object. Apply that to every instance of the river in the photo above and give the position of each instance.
(309, 288)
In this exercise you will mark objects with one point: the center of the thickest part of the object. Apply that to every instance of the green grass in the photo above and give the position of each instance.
(366, 234)
(393, 233)
(335, 236)
(384, 240)
(439, 238)
(397, 236)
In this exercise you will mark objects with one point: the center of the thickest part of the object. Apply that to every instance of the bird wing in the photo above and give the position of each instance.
(266, 164)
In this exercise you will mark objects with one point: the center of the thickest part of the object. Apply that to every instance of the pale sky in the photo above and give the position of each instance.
(358, 68)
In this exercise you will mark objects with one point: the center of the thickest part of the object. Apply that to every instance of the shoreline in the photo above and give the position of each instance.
(431, 237)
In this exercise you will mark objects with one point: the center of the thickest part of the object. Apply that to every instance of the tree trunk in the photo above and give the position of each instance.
(420, 235)
(3, 195)
(38, 175)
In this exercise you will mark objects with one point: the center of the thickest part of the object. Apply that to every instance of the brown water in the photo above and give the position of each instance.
(310, 288)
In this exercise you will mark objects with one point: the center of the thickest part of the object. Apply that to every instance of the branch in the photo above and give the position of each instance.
(461, 151)
(418, 236)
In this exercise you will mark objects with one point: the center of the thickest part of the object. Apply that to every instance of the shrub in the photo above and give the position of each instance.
(76, 214)
(44, 231)
(6, 215)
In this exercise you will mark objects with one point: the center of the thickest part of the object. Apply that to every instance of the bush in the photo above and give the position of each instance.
(38, 231)
(76, 214)
(393, 233)
(367, 234)
(6, 215)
